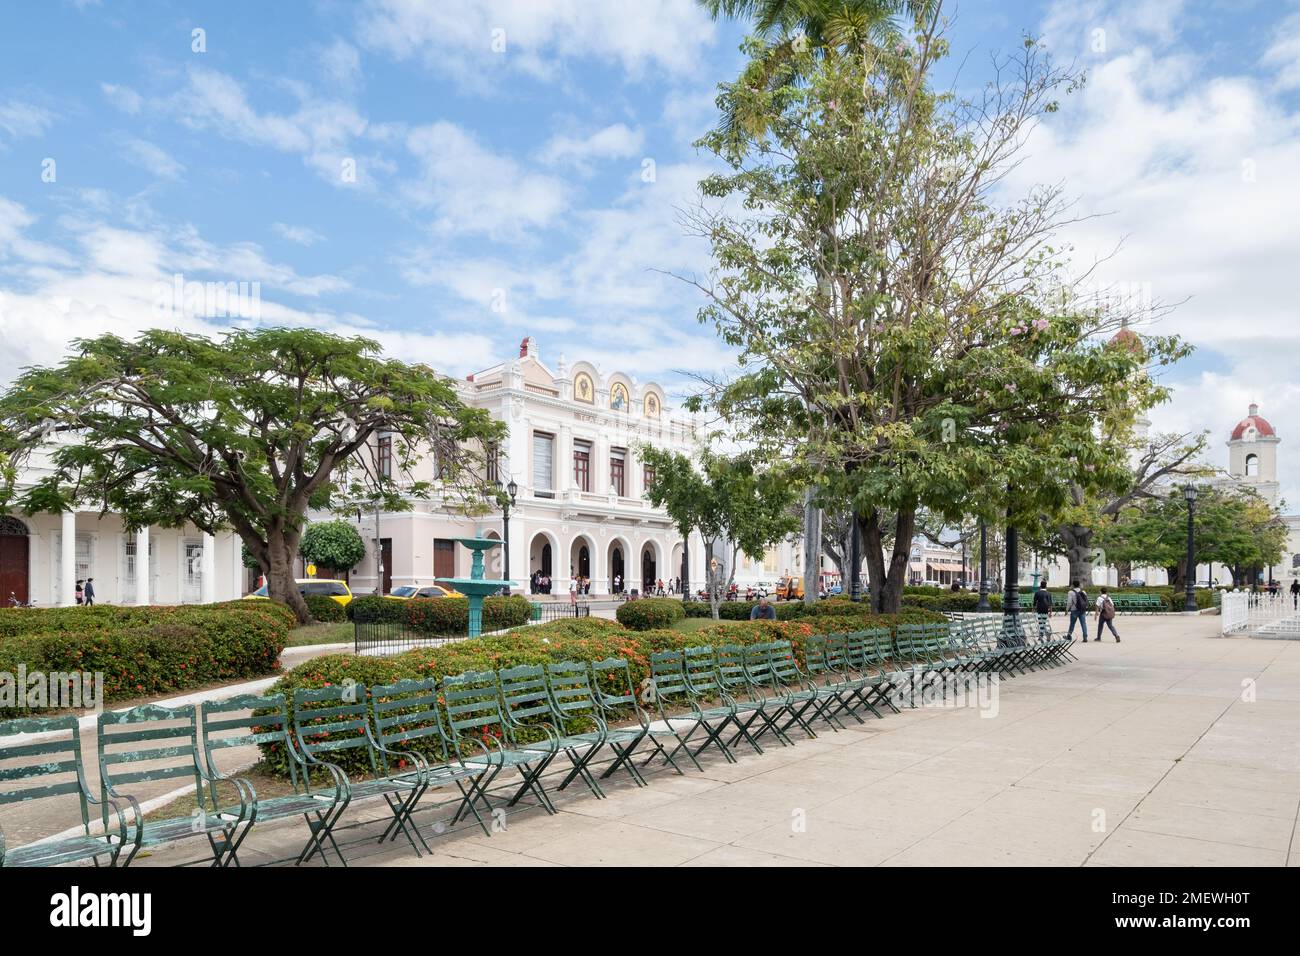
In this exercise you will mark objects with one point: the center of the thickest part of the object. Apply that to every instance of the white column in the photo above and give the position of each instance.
(68, 560)
(142, 566)
(208, 569)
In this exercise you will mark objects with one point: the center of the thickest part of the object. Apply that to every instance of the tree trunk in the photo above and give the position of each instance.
(711, 577)
(887, 581)
(280, 584)
(812, 539)
(873, 546)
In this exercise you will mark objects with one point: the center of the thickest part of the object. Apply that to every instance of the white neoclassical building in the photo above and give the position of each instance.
(43, 556)
(571, 448)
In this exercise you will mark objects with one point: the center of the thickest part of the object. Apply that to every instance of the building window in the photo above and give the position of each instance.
(617, 461)
(493, 454)
(384, 456)
(1252, 466)
(648, 476)
(582, 465)
(543, 459)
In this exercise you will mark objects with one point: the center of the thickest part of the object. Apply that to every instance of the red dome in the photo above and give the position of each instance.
(1260, 424)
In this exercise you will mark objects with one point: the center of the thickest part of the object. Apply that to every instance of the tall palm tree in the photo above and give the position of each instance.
(787, 27)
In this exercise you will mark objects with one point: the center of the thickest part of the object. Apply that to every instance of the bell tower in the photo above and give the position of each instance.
(1252, 454)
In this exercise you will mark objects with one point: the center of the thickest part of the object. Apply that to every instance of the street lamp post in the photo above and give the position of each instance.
(984, 605)
(1189, 603)
(1011, 590)
(512, 490)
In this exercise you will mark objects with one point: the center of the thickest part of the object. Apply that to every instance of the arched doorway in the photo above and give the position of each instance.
(15, 551)
(649, 573)
(675, 563)
(617, 568)
(541, 571)
(580, 558)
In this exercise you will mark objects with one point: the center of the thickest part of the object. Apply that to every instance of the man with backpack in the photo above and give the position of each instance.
(1076, 603)
(1043, 608)
(1106, 615)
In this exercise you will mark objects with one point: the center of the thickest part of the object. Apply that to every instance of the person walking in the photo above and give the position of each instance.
(618, 584)
(1076, 604)
(1043, 608)
(573, 591)
(762, 611)
(1295, 594)
(1106, 615)
(80, 593)
(89, 592)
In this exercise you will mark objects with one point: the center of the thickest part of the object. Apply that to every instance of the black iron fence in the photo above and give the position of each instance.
(391, 637)
(558, 610)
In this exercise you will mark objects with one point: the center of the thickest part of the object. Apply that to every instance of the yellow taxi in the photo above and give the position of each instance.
(407, 591)
(329, 587)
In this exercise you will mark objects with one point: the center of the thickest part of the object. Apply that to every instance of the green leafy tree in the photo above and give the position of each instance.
(332, 544)
(909, 342)
(1234, 527)
(247, 432)
(1153, 464)
(729, 501)
(787, 28)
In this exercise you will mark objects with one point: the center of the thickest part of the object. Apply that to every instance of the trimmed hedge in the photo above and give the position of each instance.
(325, 609)
(648, 614)
(442, 616)
(144, 652)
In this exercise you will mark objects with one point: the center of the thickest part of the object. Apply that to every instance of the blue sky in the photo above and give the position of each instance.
(379, 166)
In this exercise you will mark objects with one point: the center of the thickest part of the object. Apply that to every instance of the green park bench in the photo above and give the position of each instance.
(474, 712)
(826, 660)
(752, 690)
(40, 759)
(671, 691)
(526, 695)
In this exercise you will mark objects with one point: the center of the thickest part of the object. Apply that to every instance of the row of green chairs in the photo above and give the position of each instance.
(466, 730)
(413, 736)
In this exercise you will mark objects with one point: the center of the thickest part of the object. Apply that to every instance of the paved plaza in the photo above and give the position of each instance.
(1175, 747)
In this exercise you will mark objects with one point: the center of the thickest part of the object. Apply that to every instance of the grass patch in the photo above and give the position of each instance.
(336, 633)
(692, 624)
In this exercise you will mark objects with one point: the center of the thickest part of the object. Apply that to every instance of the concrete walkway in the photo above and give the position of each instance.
(1175, 747)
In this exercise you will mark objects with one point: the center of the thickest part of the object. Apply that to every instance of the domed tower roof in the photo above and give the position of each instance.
(1256, 421)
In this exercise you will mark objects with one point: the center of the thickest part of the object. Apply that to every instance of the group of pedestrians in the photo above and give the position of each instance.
(1077, 606)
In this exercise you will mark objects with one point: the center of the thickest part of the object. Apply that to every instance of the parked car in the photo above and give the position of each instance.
(330, 587)
(407, 591)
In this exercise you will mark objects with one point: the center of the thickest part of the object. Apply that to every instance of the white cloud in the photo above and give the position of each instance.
(109, 277)
(616, 141)
(457, 36)
(324, 131)
(19, 120)
(341, 63)
(1283, 55)
(1192, 175)
(475, 191)
(123, 97)
(158, 161)
(302, 235)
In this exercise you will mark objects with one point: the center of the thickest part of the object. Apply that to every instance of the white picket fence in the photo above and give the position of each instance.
(1263, 614)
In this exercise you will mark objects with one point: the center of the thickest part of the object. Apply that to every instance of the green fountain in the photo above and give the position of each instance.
(476, 587)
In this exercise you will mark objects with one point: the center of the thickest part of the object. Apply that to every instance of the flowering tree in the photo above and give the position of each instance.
(910, 340)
